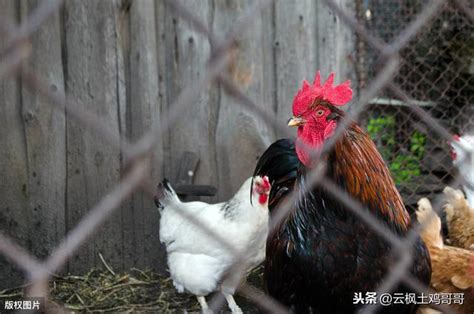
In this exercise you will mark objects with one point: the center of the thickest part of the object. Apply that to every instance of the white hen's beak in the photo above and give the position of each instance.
(296, 121)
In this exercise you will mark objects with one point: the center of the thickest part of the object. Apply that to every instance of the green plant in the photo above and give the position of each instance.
(382, 132)
(404, 166)
(417, 144)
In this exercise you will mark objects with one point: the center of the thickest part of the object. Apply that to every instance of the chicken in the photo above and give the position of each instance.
(321, 254)
(465, 163)
(450, 264)
(197, 262)
(460, 219)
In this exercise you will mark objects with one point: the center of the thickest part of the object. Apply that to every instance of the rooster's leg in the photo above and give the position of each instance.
(232, 305)
(203, 303)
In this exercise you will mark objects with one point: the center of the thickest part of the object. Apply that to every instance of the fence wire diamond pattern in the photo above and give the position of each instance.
(411, 77)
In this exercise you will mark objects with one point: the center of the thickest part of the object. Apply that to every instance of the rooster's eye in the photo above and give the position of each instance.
(319, 113)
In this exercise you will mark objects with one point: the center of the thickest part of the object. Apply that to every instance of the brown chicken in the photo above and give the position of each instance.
(450, 265)
(460, 219)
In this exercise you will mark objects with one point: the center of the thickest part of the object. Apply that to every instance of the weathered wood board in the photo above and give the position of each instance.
(93, 165)
(127, 62)
(14, 216)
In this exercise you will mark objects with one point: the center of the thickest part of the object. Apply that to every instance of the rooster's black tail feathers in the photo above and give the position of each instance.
(280, 163)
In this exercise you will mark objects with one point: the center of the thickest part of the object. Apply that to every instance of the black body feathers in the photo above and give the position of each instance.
(322, 254)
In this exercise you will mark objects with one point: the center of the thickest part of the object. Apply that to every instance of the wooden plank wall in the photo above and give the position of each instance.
(127, 61)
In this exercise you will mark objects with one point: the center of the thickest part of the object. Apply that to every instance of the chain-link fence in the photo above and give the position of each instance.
(416, 79)
(436, 72)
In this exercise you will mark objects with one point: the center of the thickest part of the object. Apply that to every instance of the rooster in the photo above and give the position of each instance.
(321, 254)
(465, 163)
(197, 262)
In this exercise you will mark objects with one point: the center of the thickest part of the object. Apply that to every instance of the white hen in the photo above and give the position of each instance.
(198, 262)
(465, 163)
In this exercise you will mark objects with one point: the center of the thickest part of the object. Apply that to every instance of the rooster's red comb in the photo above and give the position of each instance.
(335, 95)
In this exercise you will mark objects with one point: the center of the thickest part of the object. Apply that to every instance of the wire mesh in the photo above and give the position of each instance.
(436, 72)
(415, 82)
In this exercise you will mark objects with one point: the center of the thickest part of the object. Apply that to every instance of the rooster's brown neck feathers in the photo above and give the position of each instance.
(354, 159)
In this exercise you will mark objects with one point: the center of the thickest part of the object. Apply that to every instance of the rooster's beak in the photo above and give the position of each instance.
(296, 121)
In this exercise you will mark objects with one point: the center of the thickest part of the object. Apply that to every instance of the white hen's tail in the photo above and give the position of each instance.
(165, 195)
